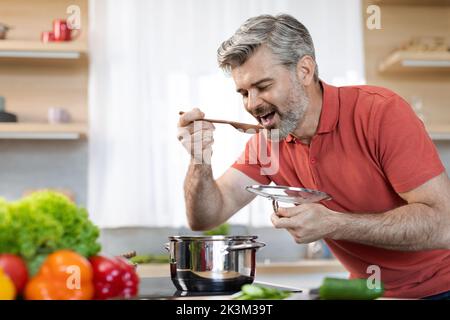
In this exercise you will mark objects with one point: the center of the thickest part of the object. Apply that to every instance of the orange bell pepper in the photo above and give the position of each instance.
(64, 275)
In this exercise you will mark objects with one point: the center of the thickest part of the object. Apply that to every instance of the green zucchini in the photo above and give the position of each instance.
(344, 289)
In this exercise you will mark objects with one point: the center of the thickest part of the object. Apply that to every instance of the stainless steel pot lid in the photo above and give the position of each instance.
(288, 194)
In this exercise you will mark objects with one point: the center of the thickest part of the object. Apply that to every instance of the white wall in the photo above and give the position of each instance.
(151, 59)
(34, 164)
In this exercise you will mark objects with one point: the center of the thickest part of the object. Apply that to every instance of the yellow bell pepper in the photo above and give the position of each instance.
(7, 288)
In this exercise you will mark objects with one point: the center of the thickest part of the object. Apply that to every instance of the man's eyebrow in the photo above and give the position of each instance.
(257, 83)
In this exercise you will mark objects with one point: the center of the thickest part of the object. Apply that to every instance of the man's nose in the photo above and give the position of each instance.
(253, 100)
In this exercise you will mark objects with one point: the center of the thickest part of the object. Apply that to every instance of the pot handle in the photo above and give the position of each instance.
(245, 246)
(167, 247)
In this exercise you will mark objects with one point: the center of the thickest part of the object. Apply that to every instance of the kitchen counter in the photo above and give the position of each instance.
(299, 267)
(162, 288)
(156, 282)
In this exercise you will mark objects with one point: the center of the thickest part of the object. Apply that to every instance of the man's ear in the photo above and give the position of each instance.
(306, 67)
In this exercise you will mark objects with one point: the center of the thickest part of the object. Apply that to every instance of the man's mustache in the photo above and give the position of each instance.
(263, 110)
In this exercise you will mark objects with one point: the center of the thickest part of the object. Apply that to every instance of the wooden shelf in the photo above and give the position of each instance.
(415, 61)
(413, 2)
(37, 49)
(43, 131)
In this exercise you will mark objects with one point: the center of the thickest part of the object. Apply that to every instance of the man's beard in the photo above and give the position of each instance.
(293, 116)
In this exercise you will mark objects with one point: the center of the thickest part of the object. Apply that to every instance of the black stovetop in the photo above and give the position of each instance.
(163, 288)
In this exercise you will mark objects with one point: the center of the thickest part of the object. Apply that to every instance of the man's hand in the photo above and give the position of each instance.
(209, 202)
(196, 136)
(307, 222)
(422, 224)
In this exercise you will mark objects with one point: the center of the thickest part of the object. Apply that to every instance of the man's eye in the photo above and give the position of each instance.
(264, 88)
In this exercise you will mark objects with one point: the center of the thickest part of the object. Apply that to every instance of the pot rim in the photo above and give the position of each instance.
(211, 238)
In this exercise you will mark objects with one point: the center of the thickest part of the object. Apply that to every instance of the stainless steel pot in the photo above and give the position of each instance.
(212, 263)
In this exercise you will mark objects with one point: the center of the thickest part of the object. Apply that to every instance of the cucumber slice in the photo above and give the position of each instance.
(253, 291)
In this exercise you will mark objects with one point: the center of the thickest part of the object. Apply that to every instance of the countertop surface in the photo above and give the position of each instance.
(156, 282)
(162, 288)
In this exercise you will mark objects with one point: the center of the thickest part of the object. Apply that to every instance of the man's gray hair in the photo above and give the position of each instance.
(287, 38)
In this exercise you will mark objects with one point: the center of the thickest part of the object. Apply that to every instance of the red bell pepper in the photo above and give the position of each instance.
(114, 277)
(16, 269)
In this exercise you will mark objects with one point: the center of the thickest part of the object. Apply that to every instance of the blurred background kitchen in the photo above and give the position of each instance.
(92, 112)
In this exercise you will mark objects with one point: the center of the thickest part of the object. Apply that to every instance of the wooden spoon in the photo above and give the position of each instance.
(237, 125)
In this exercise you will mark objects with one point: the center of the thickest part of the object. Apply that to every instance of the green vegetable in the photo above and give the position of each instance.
(258, 292)
(42, 223)
(344, 289)
(222, 230)
(149, 258)
(253, 291)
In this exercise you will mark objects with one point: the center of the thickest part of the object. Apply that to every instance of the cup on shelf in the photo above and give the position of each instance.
(58, 115)
(47, 36)
(63, 31)
(6, 116)
(3, 30)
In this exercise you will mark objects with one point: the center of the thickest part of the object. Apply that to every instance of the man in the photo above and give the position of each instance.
(363, 145)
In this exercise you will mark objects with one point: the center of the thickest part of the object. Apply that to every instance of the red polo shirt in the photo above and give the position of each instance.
(369, 147)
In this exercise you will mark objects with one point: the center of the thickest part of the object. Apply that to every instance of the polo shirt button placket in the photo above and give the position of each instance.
(314, 173)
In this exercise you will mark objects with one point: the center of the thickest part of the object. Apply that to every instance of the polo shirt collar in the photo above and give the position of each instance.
(330, 111)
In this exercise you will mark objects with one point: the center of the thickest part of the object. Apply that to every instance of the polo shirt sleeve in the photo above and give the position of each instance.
(249, 161)
(405, 150)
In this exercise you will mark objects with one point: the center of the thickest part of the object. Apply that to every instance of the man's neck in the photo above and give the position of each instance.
(308, 126)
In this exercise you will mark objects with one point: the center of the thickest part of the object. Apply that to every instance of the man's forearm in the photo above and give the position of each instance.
(408, 228)
(202, 196)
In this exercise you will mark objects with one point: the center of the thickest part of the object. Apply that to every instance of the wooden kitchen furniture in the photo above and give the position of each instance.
(36, 76)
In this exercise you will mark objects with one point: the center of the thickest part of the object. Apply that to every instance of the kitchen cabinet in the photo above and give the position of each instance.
(421, 78)
(37, 76)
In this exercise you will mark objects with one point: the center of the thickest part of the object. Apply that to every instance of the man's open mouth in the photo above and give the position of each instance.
(268, 119)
